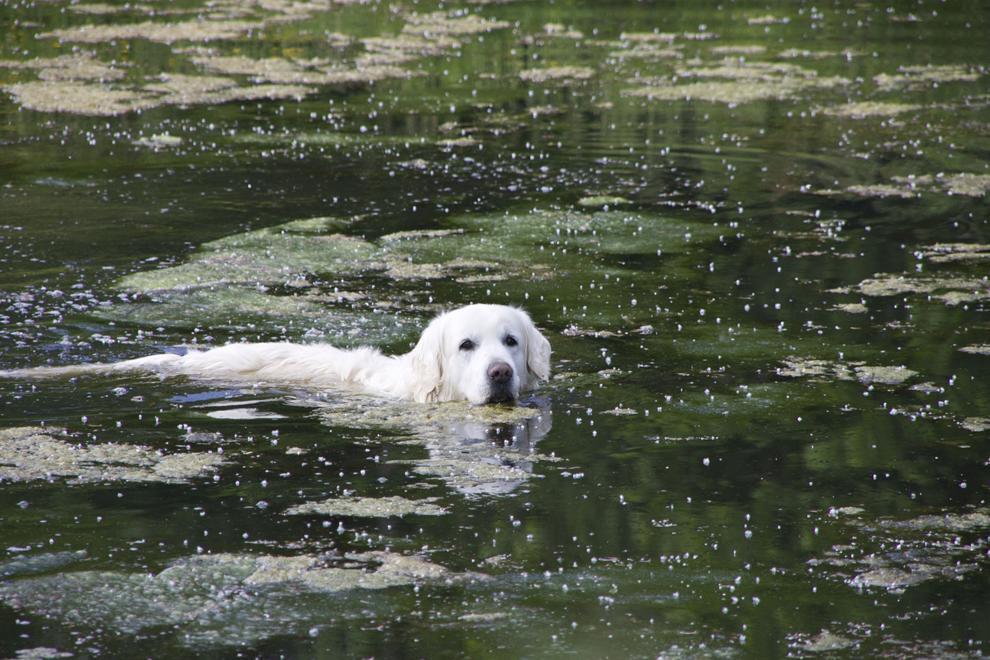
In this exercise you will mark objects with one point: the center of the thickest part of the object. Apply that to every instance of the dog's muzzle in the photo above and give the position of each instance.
(500, 383)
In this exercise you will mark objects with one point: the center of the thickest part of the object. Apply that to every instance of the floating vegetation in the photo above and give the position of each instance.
(32, 454)
(556, 73)
(914, 77)
(795, 367)
(441, 24)
(277, 273)
(950, 290)
(925, 548)
(768, 19)
(263, 257)
(824, 642)
(80, 84)
(101, 100)
(744, 82)
(976, 424)
(284, 71)
(950, 252)
(562, 31)
(220, 598)
(739, 50)
(647, 51)
(159, 141)
(369, 507)
(796, 53)
(910, 187)
(870, 109)
(963, 183)
(78, 98)
(78, 66)
(735, 92)
(602, 201)
(166, 33)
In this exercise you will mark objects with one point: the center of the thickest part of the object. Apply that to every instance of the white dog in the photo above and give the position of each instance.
(479, 353)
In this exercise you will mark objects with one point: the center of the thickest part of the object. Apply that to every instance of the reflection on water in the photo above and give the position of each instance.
(756, 237)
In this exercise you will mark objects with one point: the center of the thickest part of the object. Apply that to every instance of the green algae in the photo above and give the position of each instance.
(827, 641)
(41, 653)
(915, 77)
(77, 66)
(913, 186)
(369, 507)
(976, 424)
(965, 183)
(909, 552)
(952, 252)
(33, 454)
(556, 73)
(752, 49)
(826, 370)
(647, 51)
(263, 257)
(731, 92)
(218, 598)
(768, 19)
(742, 82)
(442, 24)
(282, 71)
(852, 308)
(602, 201)
(863, 109)
(159, 141)
(77, 98)
(74, 97)
(950, 290)
(276, 273)
(166, 33)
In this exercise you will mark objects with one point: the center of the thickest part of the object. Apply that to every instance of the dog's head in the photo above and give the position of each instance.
(479, 353)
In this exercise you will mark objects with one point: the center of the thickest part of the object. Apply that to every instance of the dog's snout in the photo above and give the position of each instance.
(500, 372)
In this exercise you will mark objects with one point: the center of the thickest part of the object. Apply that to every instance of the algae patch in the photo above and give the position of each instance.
(556, 73)
(908, 552)
(166, 33)
(976, 424)
(949, 290)
(967, 184)
(870, 109)
(602, 201)
(78, 66)
(35, 454)
(919, 77)
(795, 367)
(220, 599)
(369, 507)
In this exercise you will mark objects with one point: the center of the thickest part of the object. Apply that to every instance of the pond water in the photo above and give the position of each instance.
(756, 235)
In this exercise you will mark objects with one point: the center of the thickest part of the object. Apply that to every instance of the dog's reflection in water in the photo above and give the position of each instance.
(478, 458)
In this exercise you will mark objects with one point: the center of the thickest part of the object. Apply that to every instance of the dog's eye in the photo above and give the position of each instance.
(510, 341)
(467, 345)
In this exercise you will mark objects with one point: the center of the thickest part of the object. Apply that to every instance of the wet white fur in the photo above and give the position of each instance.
(436, 369)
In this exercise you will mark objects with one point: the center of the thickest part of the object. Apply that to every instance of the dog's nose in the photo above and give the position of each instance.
(499, 372)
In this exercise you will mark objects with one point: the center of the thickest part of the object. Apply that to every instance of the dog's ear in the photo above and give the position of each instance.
(537, 353)
(426, 359)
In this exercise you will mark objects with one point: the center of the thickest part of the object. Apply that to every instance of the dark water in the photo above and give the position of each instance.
(756, 236)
